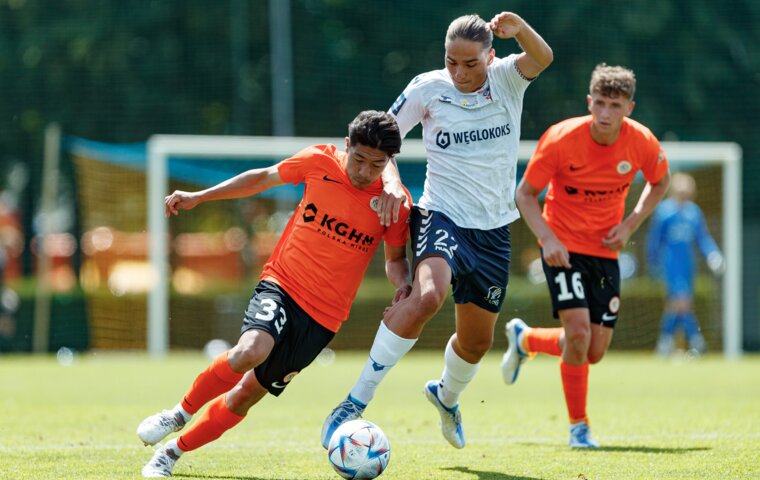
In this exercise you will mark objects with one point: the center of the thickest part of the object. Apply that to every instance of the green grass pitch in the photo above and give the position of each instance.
(654, 419)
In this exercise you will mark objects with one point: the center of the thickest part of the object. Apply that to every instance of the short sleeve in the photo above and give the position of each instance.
(397, 234)
(505, 71)
(409, 107)
(543, 163)
(294, 169)
(654, 163)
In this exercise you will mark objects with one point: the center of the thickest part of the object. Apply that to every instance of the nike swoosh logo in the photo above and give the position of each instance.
(574, 168)
(328, 179)
(608, 318)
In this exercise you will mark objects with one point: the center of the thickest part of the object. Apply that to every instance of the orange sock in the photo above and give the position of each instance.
(216, 420)
(217, 379)
(543, 340)
(575, 385)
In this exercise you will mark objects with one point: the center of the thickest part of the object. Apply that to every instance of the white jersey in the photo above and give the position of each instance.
(471, 141)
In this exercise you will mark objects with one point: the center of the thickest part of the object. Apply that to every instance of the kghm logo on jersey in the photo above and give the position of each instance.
(443, 139)
(594, 196)
(342, 232)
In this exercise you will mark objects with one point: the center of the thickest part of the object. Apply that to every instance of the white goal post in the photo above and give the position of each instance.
(163, 147)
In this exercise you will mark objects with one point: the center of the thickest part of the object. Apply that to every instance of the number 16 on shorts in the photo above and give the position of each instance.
(591, 282)
(565, 292)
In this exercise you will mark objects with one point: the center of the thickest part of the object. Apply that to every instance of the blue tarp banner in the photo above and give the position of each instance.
(208, 172)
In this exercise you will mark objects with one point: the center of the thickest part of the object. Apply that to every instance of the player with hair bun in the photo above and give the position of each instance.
(470, 114)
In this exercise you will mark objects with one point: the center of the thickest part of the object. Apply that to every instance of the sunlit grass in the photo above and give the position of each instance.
(655, 419)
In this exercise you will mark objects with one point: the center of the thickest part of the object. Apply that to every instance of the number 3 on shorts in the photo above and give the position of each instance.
(268, 311)
(564, 291)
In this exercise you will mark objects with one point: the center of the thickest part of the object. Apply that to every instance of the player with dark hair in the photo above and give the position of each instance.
(677, 226)
(470, 114)
(306, 288)
(589, 164)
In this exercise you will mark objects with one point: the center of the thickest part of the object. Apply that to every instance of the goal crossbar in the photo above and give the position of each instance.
(163, 147)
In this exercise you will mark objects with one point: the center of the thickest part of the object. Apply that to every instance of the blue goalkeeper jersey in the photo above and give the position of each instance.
(674, 231)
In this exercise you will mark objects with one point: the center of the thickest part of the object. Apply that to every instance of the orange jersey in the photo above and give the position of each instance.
(588, 182)
(327, 245)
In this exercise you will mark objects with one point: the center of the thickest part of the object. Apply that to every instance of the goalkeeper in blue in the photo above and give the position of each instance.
(677, 225)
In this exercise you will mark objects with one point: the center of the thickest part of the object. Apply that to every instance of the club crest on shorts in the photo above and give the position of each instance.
(624, 167)
(374, 203)
(614, 304)
(494, 295)
(285, 381)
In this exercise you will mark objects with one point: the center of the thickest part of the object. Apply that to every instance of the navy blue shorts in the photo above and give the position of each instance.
(298, 338)
(479, 259)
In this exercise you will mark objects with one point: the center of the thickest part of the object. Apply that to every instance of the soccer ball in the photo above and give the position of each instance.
(359, 449)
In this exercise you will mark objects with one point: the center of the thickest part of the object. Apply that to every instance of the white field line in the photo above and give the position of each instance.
(428, 441)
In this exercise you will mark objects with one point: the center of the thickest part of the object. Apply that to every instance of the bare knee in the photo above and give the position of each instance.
(245, 394)
(252, 349)
(241, 397)
(249, 358)
(429, 304)
(577, 339)
(477, 347)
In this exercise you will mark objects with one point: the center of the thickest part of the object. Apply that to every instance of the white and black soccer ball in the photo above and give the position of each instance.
(359, 450)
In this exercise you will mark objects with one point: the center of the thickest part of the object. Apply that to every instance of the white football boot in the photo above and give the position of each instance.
(580, 436)
(162, 463)
(451, 418)
(154, 428)
(515, 356)
(348, 409)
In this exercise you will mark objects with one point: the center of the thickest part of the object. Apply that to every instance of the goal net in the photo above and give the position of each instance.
(180, 282)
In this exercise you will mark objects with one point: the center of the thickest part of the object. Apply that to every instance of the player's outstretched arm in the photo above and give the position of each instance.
(555, 252)
(537, 54)
(618, 236)
(245, 184)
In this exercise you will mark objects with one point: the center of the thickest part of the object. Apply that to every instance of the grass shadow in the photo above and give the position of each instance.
(483, 475)
(644, 449)
(225, 477)
(631, 448)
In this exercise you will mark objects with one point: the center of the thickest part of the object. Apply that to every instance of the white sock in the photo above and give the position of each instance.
(386, 351)
(172, 444)
(456, 376)
(187, 416)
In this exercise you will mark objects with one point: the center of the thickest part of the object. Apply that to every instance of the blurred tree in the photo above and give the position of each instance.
(121, 71)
